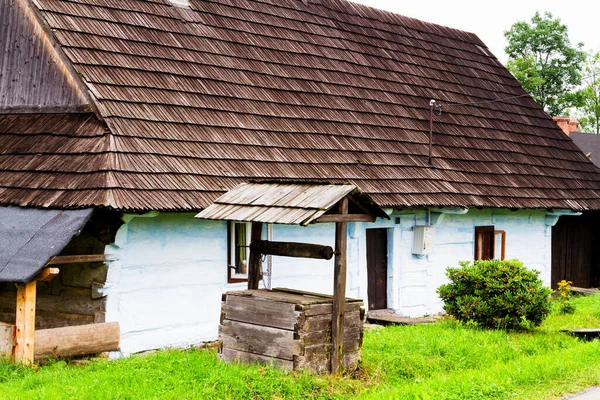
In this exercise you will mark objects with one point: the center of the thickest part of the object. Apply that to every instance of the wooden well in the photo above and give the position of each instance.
(289, 329)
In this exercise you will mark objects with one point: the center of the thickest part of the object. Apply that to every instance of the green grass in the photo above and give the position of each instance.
(442, 361)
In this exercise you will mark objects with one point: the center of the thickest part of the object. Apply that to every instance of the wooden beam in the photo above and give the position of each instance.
(47, 274)
(292, 249)
(339, 288)
(77, 340)
(345, 218)
(25, 323)
(80, 259)
(254, 262)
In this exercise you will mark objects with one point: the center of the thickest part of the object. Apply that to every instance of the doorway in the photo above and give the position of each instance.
(377, 265)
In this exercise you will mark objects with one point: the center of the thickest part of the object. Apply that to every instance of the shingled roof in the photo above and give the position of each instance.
(198, 100)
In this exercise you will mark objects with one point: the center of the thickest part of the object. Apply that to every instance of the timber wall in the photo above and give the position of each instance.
(72, 298)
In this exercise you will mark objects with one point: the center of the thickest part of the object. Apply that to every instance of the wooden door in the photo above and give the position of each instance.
(377, 265)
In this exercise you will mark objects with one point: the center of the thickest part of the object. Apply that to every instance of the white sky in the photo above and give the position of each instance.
(489, 19)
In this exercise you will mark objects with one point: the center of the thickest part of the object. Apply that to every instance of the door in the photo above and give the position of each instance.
(377, 265)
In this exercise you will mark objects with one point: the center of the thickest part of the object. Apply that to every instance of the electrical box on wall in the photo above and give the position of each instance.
(423, 239)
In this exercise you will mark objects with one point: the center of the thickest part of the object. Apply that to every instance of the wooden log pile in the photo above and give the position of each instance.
(289, 329)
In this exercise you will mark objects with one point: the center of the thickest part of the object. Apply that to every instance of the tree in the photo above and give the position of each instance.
(589, 109)
(543, 60)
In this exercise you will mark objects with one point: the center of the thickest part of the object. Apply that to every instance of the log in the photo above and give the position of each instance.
(7, 339)
(254, 262)
(292, 249)
(25, 323)
(77, 340)
(339, 289)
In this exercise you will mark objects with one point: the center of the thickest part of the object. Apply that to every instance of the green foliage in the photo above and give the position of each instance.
(497, 294)
(543, 60)
(440, 361)
(589, 108)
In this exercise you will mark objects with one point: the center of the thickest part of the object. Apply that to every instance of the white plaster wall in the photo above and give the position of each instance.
(170, 271)
(165, 287)
(413, 280)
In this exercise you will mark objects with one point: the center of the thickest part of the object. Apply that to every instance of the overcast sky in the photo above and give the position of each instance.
(489, 19)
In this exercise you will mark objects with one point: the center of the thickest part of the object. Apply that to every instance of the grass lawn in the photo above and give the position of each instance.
(441, 361)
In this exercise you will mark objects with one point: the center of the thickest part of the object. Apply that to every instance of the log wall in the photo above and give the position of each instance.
(289, 329)
(72, 298)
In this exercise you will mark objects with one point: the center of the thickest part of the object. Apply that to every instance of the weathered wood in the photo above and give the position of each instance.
(231, 355)
(7, 339)
(47, 274)
(584, 291)
(323, 321)
(45, 109)
(77, 340)
(260, 311)
(267, 341)
(339, 288)
(25, 323)
(586, 333)
(293, 249)
(346, 218)
(67, 303)
(80, 259)
(318, 309)
(96, 292)
(304, 339)
(254, 262)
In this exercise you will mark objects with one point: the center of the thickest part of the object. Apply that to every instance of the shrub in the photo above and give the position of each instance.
(500, 294)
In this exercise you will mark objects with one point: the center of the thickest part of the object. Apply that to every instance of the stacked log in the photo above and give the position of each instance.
(288, 329)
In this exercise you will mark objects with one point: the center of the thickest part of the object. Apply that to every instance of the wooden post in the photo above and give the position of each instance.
(254, 262)
(25, 323)
(339, 289)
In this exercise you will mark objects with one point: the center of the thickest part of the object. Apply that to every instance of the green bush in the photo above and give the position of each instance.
(498, 294)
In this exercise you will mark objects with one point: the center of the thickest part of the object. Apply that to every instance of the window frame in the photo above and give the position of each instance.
(483, 245)
(231, 249)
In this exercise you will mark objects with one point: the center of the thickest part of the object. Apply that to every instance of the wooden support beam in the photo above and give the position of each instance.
(77, 340)
(47, 274)
(254, 262)
(292, 249)
(80, 259)
(25, 323)
(345, 218)
(339, 289)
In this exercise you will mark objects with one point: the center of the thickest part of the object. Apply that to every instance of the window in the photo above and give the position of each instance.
(489, 243)
(238, 239)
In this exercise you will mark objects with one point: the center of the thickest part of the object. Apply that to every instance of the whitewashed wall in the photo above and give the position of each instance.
(413, 280)
(170, 271)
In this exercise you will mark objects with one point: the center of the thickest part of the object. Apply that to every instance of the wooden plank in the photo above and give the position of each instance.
(339, 288)
(258, 339)
(282, 297)
(345, 218)
(7, 339)
(47, 274)
(293, 249)
(77, 340)
(323, 321)
(25, 323)
(254, 259)
(231, 355)
(80, 259)
(44, 109)
(261, 312)
(352, 334)
(67, 303)
(318, 309)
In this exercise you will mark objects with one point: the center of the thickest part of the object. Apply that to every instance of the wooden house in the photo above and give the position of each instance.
(146, 112)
